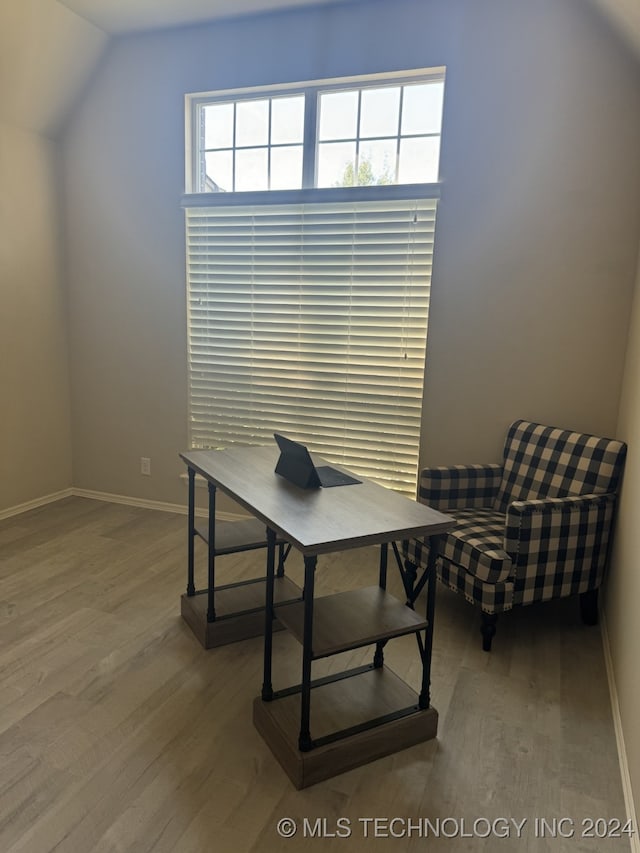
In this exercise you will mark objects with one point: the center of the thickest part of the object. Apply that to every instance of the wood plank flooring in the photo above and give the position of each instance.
(119, 732)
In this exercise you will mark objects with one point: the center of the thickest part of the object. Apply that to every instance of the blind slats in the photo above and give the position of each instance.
(311, 320)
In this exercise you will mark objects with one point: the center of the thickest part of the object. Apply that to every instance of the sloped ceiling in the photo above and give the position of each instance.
(48, 48)
(121, 16)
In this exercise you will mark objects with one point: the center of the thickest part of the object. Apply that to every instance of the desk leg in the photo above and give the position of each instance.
(378, 658)
(425, 697)
(267, 686)
(191, 587)
(211, 610)
(384, 560)
(305, 744)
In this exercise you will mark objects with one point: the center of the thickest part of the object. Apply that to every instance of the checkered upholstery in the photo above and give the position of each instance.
(460, 486)
(559, 545)
(500, 595)
(545, 462)
(477, 540)
(534, 528)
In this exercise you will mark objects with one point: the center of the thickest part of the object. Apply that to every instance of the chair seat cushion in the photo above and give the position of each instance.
(476, 543)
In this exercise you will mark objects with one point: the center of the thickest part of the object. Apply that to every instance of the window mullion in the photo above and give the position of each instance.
(357, 163)
(310, 138)
(233, 153)
(401, 107)
(269, 143)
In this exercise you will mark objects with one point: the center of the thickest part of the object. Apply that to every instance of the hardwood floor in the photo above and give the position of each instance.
(119, 732)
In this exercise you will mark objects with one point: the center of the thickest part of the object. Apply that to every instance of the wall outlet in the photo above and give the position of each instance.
(145, 465)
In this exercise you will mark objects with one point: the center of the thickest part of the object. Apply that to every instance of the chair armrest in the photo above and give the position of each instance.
(459, 486)
(565, 533)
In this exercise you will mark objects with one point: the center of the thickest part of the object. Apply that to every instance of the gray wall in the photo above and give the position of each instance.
(538, 228)
(35, 430)
(537, 234)
(46, 52)
(623, 586)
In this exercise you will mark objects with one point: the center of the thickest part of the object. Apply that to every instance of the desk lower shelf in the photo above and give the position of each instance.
(349, 620)
(239, 610)
(344, 705)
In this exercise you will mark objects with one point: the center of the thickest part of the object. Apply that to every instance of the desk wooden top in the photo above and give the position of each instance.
(315, 521)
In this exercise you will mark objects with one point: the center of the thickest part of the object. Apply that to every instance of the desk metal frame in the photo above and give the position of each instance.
(213, 551)
(425, 644)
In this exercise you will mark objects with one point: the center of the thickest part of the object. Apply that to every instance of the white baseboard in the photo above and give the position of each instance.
(34, 504)
(162, 506)
(617, 724)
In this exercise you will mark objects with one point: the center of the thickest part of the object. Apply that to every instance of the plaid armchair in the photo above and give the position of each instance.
(534, 528)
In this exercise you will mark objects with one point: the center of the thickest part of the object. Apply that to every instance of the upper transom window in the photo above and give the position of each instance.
(361, 131)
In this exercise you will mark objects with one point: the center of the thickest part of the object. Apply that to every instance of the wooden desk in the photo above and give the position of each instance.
(381, 714)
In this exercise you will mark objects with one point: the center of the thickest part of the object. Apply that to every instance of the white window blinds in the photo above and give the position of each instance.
(311, 320)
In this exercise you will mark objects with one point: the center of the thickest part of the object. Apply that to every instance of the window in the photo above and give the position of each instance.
(318, 135)
(310, 237)
(379, 135)
(253, 144)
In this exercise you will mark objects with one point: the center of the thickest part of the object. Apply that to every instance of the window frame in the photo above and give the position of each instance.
(311, 90)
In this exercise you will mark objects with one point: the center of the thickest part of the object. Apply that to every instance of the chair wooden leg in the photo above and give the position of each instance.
(487, 629)
(589, 607)
(410, 577)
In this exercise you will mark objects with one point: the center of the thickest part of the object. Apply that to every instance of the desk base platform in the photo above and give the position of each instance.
(239, 610)
(344, 705)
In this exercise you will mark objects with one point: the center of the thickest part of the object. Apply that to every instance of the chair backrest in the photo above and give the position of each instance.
(547, 462)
